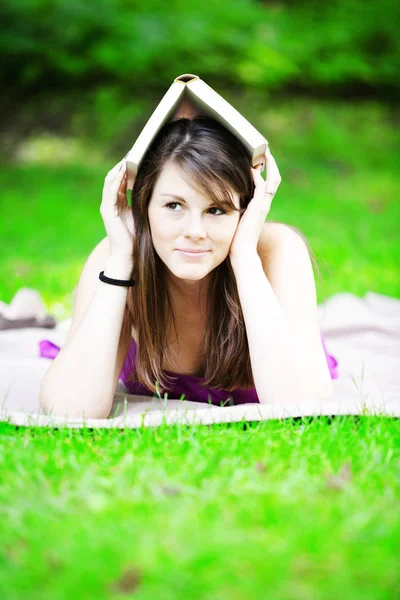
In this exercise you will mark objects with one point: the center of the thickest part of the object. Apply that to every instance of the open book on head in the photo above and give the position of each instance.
(188, 96)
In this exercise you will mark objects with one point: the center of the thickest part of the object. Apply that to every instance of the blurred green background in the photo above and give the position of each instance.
(319, 80)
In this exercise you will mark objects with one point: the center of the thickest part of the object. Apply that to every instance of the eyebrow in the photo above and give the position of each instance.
(177, 197)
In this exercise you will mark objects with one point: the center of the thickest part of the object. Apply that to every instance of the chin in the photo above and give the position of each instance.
(190, 275)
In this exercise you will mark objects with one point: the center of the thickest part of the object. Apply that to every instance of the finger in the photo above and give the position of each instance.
(259, 192)
(270, 187)
(116, 168)
(116, 174)
(122, 185)
(257, 177)
(269, 166)
(122, 199)
(272, 171)
(114, 193)
(264, 190)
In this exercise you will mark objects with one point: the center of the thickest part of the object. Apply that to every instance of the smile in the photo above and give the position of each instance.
(193, 254)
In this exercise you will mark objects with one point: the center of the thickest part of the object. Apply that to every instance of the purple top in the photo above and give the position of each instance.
(185, 384)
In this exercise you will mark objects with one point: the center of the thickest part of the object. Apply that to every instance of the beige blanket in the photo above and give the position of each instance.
(363, 334)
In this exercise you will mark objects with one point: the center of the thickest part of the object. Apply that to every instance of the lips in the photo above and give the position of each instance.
(192, 251)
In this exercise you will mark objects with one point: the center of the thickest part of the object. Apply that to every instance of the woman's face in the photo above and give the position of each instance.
(192, 223)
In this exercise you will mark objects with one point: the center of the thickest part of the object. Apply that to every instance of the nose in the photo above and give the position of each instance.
(194, 227)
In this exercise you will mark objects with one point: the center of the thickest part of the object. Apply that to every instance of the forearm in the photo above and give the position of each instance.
(272, 350)
(80, 380)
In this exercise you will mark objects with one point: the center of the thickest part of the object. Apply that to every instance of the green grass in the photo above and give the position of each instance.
(283, 509)
(302, 508)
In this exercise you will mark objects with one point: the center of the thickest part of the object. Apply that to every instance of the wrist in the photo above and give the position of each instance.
(119, 267)
(244, 260)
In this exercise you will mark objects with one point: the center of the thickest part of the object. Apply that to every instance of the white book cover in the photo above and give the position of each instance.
(189, 95)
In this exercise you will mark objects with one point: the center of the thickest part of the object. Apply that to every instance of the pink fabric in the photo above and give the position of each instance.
(189, 385)
(47, 349)
(331, 360)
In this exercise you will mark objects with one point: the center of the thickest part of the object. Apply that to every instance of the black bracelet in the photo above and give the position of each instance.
(126, 283)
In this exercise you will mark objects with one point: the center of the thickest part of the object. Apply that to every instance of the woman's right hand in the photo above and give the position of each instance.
(116, 212)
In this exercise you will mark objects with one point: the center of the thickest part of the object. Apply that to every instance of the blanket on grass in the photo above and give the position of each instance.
(363, 334)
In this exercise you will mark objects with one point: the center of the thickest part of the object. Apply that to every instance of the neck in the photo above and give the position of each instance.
(193, 293)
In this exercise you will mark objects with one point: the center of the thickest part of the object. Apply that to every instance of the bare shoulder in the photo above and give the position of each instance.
(274, 237)
(272, 234)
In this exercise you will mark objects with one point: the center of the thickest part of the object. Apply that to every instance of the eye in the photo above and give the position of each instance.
(215, 208)
(172, 203)
(179, 204)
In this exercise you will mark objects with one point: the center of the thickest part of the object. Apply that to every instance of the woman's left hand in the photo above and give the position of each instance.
(249, 228)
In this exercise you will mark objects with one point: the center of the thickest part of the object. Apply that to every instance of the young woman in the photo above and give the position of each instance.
(198, 294)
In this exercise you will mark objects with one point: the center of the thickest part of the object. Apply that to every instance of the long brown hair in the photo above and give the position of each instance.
(219, 162)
